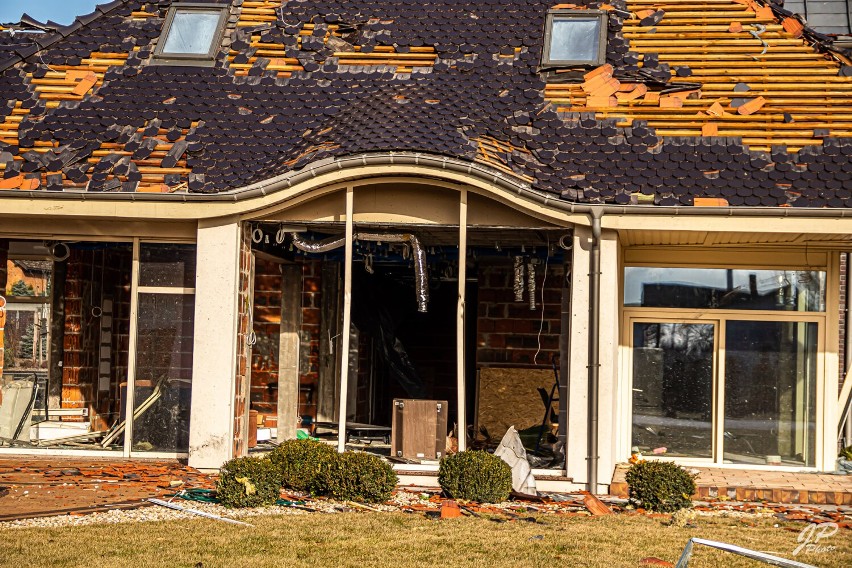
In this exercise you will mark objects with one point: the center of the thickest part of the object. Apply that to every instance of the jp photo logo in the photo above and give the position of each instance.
(811, 536)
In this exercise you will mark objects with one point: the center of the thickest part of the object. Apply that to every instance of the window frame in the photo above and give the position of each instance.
(162, 57)
(567, 14)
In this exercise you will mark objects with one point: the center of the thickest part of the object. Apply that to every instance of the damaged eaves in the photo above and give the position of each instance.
(291, 86)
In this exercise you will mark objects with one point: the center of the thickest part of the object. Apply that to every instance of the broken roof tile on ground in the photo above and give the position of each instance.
(296, 82)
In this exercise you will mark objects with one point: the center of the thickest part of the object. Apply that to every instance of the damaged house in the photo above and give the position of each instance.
(405, 227)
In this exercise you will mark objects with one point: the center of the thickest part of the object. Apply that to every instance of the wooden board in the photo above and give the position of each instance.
(419, 429)
(509, 397)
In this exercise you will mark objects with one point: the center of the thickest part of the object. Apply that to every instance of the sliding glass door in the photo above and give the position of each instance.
(770, 392)
(673, 370)
(727, 391)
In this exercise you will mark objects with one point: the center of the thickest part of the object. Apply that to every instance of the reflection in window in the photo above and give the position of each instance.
(673, 388)
(163, 372)
(720, 288)
(770, 392)
(26, 332)
(575, 37)
(171, 265)
(191, 32)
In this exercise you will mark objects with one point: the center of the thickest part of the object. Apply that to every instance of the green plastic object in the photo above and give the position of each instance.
(302, 435)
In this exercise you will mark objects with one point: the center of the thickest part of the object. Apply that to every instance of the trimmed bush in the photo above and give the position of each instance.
(660, 486)
(248, 482)
(299, 461)
(356, 476)
(475, 476)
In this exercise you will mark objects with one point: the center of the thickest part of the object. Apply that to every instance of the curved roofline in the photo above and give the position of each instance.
(432, 163)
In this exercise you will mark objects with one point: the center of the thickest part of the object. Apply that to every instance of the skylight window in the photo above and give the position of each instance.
(191, 34)
(574, 38)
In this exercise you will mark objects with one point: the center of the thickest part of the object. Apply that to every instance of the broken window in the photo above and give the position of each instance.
(574, 37)
(191, 34)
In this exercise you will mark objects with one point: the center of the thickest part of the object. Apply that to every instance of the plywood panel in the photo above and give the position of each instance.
(509, 397)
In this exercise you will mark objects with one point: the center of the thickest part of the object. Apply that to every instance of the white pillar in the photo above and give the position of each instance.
(578, 377)
(347, 321)
(609, 413)
(578, 359)
(215, 345)
(461, 430)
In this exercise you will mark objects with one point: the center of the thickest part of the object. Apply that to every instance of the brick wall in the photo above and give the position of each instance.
(310, 337)
(242, 371)
(267, 326)
(507, 331)
(93, 275)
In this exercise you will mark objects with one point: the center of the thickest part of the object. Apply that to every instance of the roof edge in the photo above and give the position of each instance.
(435, 163)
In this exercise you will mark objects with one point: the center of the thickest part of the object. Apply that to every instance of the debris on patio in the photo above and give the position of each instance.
(67, 492)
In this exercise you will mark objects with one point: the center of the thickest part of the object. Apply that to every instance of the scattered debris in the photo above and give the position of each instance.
(450, 509)
(751, 106)
(654, 561)
(176, 507)
(511, 450)
(595, 506)
(753, 554)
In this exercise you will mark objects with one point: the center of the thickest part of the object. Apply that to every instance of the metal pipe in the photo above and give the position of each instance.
(565, 353)
(421, 269)
(324, 245)
(518, 279)
(594, 346)
(531, 283)
(847, 430)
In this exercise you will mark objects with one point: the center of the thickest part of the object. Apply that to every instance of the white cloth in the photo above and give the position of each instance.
(511, 450)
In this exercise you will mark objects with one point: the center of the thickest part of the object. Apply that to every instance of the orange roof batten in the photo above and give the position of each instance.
(759, 78)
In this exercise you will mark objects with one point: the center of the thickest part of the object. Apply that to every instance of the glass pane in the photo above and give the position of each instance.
(575, 39)
(673, 389)
(770, 392)
(25, 337)
(27, 278)
(163, 372)
(167, 265)
(192, 32)
(722, 288)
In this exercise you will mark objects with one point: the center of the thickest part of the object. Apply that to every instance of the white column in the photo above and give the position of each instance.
(609, 418)
(215, 345)
(347, 322)
(461, 431)
(578, 375)
(610, 415)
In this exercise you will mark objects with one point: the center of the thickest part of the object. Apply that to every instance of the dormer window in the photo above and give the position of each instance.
(574, 38)
(191, 34)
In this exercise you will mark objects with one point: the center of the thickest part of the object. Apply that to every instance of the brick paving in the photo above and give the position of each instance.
(755, 485)
(35, 486)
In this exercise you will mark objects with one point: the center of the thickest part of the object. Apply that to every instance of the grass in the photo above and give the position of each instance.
(365, 540)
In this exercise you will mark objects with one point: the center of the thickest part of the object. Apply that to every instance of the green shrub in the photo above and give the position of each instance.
(846, 453)
(356, 476)
(299, 461)
(660, 486)
(248, 482)
(475, 476)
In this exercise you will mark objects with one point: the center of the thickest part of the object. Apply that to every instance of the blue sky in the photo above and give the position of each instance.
(60, 11)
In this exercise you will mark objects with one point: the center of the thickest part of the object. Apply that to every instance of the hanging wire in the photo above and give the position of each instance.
(541, 321)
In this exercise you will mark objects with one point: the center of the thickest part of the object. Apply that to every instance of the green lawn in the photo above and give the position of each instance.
(365, 540)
